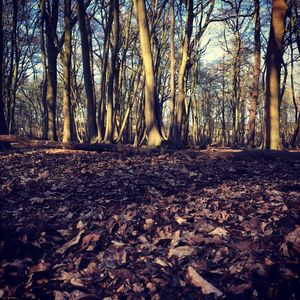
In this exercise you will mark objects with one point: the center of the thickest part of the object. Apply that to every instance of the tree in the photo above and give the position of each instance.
(44, 65)
(172, 71)
(112, 74)
(52, 52)
(256, 71)
(151, 117)
(181, 110)
(67, 131)
(3, 128)
(273, 64)
(88, 81)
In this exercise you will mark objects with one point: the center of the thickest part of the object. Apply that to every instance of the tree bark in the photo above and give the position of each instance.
(273, 63)
(67, 131)
(172, 71)
(88, 82)
(181, 112)
(109, 130)
(3, 127)
(52, 52)
(44, 64)
(102, 104)
(256, 71)
(152, 127)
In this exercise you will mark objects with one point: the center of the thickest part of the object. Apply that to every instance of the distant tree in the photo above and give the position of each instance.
(273, 64)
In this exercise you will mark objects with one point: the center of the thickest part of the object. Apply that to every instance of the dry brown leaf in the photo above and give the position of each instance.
(293, 238)
(40, 267)
(219, 231)
(92, 237)
(181, 251)
(70, 243)
(198, 281)
(240, 289)
(180, 220)
(148, 224)
(162, 262)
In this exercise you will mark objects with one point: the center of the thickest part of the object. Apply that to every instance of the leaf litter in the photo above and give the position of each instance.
(149, 225)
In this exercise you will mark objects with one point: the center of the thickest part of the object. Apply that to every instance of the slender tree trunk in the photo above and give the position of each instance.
(152, 127)
(256, 71)
(295, 134)
(3, 128)
(15, 50)
(67, 132)
(172, 71)
(132, 97)
(51, 24)
(109, 130)
(273, 62)
(88, 82)
(44, 64)
(180, 116)
(101, 109)
(236, 89)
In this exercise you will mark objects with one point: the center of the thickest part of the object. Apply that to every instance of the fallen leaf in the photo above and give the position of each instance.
(292, 239)
(148, 224)
(181, 251)
(38, 200)
(198, 281)
(219, 231)
(70, 243)
(87, 239)
(162, 262)
(40, 267)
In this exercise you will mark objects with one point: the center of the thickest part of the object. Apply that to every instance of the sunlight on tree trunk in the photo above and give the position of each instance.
(181, 111)
(152, 128)
(255, 88)
(67, 131)
(273, 63)
(172, 71)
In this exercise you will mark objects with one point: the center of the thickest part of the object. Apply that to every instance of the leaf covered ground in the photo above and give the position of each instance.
(149, 225)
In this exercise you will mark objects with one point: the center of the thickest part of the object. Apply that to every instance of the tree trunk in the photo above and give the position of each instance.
(3, 128)
(179, 130)
(67, 132)
(109, 130)
(132, 97)
(51, 24)
(15, 50)
(88, 82)
(273, 63)
(152, 127)
(44, 64)
(256, 71)
(172, 71)
(102, 104)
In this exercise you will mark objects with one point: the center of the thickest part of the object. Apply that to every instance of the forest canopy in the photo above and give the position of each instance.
(222, 72)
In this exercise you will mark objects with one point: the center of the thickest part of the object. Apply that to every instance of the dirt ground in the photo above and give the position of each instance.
(190, 224)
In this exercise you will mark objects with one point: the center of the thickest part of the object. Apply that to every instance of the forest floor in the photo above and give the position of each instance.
(190, 224)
